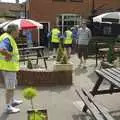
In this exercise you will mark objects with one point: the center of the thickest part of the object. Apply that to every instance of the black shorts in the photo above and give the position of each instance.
(54, 45)
(83, 51)
(67, 45)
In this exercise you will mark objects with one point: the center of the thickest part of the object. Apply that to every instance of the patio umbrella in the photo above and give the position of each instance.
(113, 17)
(24, 24)
(3, 24)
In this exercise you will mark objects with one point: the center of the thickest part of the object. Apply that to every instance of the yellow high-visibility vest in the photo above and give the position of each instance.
(13, 64)
(55, 33)
(68, 39)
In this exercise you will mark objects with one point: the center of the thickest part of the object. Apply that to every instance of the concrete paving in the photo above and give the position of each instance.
(58, 100)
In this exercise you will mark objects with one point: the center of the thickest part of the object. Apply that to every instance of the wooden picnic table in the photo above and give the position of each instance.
(103, 52)
(39, 53)
(32, 48)
(98, 46)
(112, 75)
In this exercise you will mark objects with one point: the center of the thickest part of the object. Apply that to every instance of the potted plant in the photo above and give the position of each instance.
(110, 58)
(29, 64)
(62, 62)
(33, 114)
(110, 55)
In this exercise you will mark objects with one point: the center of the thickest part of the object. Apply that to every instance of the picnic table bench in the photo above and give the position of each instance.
(112, 75)
(26, 53)
(98, 111)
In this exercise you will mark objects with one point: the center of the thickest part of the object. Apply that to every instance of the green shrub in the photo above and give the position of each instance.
(29, 64)
(37, 116)
(110, 55)
(64, 59)
(29, 94)
(60, 52)
(62, 55)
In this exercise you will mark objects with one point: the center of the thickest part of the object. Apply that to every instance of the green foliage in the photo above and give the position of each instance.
(62, 55)
(60, 52)
(29, 93)
(29, 64)
(64, 59)
(110, 55)
(37, 116)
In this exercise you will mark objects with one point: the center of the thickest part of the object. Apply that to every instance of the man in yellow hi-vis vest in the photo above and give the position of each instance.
(68, 41)
(9, 65)
(55, 39)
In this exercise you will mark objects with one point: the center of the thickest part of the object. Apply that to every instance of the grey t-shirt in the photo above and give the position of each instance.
(84, 36)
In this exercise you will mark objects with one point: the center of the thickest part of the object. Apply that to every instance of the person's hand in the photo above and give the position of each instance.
(6, 54)
(8, 57)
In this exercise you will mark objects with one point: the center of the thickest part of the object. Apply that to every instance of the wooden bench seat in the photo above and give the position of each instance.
(98, 111)
(106, 65)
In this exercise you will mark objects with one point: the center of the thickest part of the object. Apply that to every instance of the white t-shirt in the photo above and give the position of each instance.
(84, 35)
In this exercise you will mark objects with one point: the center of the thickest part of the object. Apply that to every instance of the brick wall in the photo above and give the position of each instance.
(46, 10)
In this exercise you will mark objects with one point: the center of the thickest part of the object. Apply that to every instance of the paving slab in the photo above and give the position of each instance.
(58, 100)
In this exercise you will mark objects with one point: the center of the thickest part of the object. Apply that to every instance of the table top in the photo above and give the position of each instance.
(32, 48)
(101, 43)
(107, 49)
(104, 49)
(110, 74)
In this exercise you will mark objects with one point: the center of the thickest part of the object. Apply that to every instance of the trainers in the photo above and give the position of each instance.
(11, 109)
(16, 102)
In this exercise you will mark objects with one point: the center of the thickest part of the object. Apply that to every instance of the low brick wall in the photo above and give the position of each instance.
(44, 78)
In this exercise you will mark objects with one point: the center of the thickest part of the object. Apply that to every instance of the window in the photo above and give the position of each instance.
(67, 20)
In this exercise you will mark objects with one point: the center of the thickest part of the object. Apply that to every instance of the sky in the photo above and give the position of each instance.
(12, 1)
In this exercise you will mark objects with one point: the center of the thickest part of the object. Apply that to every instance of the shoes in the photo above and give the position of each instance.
(11, 109)
(16, 102)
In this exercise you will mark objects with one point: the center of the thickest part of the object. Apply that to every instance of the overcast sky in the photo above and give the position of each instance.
(12, 1)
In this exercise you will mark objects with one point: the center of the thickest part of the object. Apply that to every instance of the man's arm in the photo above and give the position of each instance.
(6, 48)
(6, 53)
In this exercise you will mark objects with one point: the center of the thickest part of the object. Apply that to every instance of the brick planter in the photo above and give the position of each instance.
(44, 77)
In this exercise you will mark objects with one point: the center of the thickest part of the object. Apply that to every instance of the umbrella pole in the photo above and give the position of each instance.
(38, 37)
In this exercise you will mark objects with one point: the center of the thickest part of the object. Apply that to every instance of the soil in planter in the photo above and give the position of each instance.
(37, 115)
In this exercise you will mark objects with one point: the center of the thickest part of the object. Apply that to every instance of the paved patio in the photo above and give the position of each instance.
(59, 100)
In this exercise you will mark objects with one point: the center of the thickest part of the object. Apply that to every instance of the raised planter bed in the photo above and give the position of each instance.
(63, 67)
(44, 77)
(30, 112)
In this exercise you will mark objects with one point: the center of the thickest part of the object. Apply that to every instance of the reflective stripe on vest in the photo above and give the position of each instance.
(68, 39)
(12, 60)
(13, 64)
(55, 33)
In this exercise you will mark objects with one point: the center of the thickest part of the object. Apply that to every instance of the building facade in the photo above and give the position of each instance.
(10, 11)
(68, 11)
